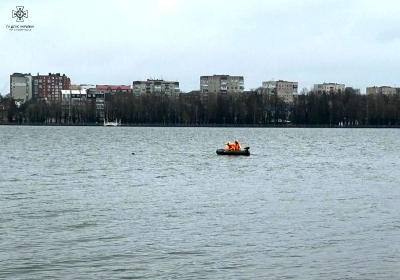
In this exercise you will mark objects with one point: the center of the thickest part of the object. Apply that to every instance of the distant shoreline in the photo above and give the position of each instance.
(205, 125)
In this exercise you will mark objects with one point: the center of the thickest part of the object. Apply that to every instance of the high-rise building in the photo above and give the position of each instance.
(49, 86)
(282, 89)
(21, 86)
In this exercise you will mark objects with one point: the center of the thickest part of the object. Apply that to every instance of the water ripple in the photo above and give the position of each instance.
(307, 204)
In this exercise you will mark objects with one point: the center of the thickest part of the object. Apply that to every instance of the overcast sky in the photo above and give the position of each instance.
(116, 42)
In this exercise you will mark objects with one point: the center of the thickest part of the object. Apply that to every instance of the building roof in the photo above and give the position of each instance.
(223, 76)
(150, 81)
(113, 87)
(51, 74)
(331, 84)
(20, 74)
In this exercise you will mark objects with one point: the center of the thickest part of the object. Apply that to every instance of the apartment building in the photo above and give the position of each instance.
(71, 98)
(386, 90)
(221, 83)
(282, 89)
(329, 88)
(21, 86)
(170, 88)
(76, 98)
(97, 96)
(49, 86)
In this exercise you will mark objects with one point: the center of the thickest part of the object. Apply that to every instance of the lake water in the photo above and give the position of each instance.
(312, 203)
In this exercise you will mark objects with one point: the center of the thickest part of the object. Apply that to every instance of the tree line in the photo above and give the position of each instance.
(249, 108)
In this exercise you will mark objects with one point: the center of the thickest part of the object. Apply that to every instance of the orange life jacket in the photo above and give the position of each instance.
(237, 146)
(231, 146)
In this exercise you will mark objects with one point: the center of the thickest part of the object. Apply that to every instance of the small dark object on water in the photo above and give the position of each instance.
(133, 153)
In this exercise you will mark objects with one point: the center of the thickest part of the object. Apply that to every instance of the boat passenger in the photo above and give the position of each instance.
(231, 146)
(237, 146)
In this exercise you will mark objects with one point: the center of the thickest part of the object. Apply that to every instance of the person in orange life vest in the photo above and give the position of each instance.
(237, 146)
(230, 146)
